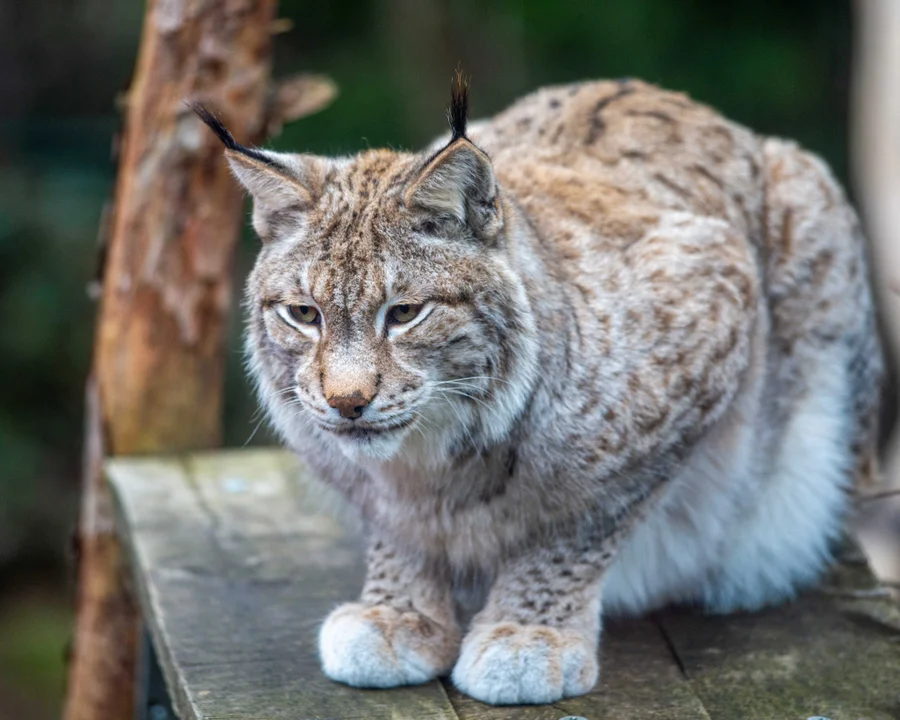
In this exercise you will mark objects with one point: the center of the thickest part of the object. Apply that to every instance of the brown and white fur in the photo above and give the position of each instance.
(634, 363)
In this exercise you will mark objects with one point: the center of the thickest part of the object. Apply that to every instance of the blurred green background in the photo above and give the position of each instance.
(781, 67)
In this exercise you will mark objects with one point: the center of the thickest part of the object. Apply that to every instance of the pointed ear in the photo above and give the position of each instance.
(459, 181)
(277, 181)
(271, 182)
(283, 188)
(282, 185)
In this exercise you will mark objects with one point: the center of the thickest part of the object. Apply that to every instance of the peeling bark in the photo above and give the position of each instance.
(159, 353)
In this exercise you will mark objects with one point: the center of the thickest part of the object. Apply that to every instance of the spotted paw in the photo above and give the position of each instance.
(511, 664)
(378, 646)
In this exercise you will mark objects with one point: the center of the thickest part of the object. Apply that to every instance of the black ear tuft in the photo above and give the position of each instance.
(226, 137)
(215, 125)
(459, 105)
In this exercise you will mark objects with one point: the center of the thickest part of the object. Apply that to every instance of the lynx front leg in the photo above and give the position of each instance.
(537, 638)
(403, 630)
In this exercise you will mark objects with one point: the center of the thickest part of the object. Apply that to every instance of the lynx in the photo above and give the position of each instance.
(604, 352)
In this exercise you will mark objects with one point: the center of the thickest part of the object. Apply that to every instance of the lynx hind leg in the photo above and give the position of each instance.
(824, 388)
(866, 376)
(785, 541)
(820, 282)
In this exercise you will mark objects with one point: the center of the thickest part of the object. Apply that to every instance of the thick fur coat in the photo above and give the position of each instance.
(605, 351)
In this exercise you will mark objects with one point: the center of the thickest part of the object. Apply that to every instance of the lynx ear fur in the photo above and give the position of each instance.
(459, 180)
(278, 182)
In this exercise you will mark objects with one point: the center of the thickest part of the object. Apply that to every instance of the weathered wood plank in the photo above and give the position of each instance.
(834, 652)
(235, 569)
(237, 560)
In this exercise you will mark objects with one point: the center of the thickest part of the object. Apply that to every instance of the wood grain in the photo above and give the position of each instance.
(236, 566)
(835, 653)
(237, 558)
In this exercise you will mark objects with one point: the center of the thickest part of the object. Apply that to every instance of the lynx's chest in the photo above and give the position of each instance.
(471, 512)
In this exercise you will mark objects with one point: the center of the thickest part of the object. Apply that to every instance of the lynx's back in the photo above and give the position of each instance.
(622, 153)
(595, 164)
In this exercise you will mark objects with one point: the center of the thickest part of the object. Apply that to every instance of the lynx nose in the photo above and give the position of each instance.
(349, 406)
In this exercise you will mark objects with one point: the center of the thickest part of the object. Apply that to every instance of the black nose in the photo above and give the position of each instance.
(349, 406)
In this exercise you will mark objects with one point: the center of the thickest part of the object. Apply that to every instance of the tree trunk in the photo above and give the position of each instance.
(159, 355)
(876, 165)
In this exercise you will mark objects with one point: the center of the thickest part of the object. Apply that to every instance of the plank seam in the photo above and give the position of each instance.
(670, 644)
(447, 699)
(672, 649)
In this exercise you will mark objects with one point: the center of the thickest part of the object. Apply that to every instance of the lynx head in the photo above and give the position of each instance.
(383, 312)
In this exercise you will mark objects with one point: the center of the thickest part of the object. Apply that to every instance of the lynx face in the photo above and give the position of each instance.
(382, 306)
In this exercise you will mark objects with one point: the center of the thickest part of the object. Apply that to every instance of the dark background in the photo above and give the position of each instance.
(781, 67)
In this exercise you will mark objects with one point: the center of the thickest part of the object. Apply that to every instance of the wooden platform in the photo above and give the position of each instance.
(235, 564)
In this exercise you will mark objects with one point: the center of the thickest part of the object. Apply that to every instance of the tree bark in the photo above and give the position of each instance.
(876, 166)
(159, 357)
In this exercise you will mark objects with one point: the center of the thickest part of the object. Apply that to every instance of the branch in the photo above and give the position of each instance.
(296, 97)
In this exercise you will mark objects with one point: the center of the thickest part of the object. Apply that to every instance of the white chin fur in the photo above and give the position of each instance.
(376, 447)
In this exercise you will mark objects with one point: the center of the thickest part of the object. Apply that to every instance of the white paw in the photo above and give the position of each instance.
(511, 664)
(377, 646)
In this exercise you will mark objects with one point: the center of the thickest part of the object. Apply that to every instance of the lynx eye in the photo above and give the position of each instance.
(402, 314)
(303, 314)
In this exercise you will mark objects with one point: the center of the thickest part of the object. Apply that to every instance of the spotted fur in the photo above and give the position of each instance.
(645, 369)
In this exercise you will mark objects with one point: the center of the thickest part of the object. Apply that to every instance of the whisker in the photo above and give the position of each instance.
(429, 424)
(480, 391)
(465, 427)
(253, 434)
(467, 385)
(472, 377)
(454, 391)
(417, 428)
